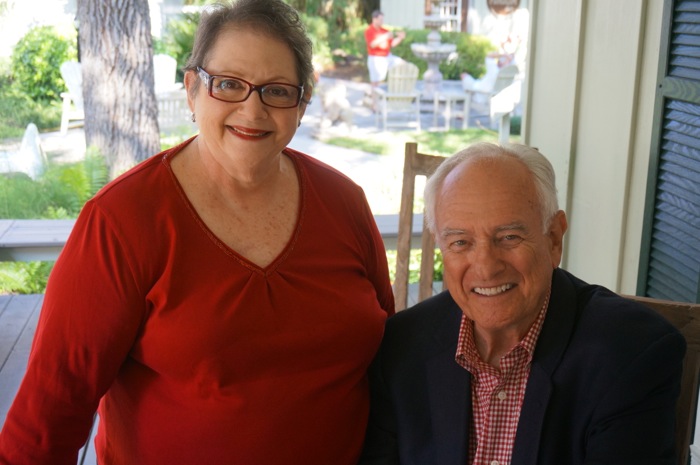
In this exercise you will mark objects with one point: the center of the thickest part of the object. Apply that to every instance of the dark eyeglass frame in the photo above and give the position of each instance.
(260, 89)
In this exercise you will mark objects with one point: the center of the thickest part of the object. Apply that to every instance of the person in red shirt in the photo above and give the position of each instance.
(379, 42)
(519, 361)
(220, 302)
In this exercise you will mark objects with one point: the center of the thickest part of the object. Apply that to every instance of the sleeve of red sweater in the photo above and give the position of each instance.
(91, 314)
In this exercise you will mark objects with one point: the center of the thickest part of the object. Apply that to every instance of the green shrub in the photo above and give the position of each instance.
(17, 110)
(414, 265)
(178, 40)
(318, 31)
(515, 125)
(36, 62)
(59, 194)
(471, 54)
(331, 26)
(24, 277)
(351, 40)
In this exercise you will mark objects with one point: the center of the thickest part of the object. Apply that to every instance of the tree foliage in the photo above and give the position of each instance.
(36, 61)
(178, 39)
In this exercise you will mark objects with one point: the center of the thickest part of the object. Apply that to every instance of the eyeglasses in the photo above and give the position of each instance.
(233, 89)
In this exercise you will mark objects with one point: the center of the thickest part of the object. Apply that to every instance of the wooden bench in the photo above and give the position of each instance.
(43, 240)
(33, 240)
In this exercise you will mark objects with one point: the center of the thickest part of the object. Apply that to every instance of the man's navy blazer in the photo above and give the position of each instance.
(602, 388)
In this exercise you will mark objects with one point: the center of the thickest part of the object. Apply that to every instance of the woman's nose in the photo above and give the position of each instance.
(254, 107)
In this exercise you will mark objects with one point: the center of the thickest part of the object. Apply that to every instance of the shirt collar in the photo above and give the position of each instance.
(467, 355)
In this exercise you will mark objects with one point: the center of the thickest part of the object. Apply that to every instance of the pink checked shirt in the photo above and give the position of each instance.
(497, 395)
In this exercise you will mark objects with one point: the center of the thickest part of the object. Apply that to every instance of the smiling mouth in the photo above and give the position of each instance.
(491, 291)
(249, 132)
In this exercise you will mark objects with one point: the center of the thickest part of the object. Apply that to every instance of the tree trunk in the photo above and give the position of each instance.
(121, 113)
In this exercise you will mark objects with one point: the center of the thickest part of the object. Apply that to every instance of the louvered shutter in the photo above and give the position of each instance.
(670, 265)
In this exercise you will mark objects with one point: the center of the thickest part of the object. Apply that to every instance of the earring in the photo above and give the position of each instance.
(193, 118)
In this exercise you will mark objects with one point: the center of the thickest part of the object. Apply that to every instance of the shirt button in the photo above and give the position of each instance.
(502, 396)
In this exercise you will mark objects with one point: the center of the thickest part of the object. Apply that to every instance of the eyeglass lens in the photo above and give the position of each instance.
(232, 89)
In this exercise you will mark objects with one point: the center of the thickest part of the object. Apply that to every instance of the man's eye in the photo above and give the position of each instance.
(458, 244)
(511, 239)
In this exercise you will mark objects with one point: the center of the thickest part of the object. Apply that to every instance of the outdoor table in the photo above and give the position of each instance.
(450, 98)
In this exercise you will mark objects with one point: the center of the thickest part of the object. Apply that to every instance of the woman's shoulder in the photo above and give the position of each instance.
(150, 179)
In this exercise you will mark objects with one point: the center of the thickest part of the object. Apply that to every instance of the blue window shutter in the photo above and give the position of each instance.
(670, 258)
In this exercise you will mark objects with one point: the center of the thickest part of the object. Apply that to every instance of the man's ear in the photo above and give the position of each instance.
(557, 228)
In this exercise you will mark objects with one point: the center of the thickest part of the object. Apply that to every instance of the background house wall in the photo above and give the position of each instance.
(409, 14)
(589, 101)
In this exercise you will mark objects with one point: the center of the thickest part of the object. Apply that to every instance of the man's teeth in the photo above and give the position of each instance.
(492, 290)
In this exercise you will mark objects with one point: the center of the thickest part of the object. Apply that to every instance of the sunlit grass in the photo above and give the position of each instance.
(435, 142)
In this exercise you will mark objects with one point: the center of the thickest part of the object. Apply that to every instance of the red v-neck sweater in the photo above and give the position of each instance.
(194, 354)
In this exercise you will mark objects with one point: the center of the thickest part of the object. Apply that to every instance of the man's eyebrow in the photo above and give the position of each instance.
(452, 232)
(511, 227)
(506, 227)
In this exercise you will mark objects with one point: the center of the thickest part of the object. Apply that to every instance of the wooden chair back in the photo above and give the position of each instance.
(685, 317)
(401, 85)
(401, 94)
(415, 164)
(164, 73)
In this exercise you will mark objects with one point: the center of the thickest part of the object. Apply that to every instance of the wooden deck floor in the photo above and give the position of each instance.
(18, 317)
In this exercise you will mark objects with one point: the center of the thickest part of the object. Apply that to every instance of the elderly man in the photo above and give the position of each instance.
(519, 362)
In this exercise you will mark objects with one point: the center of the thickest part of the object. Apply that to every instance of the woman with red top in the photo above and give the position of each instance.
(220, 302)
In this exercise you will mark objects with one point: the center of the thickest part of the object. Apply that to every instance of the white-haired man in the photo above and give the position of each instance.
(519, 362)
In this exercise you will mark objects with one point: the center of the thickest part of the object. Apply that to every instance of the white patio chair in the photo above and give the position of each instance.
(173, 112)
(483, 92)
(401, 95)
(72, 75)
(164, 73)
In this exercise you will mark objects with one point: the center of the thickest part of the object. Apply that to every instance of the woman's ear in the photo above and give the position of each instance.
(305, 101)
(191, 81)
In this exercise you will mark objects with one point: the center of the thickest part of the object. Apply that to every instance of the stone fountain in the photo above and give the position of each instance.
(434, 52)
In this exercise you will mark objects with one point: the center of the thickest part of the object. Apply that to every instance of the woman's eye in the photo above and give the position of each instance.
(277, 91)
(229, 84)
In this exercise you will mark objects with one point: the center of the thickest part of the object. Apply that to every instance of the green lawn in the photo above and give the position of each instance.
(436, 142)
